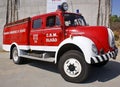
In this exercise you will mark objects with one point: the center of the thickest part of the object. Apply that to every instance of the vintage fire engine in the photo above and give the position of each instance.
(63, 38)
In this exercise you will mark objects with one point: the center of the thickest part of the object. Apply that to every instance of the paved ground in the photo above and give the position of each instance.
(43, 74)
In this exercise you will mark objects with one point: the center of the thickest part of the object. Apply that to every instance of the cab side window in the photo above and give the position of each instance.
(37, 23)
(52, 21)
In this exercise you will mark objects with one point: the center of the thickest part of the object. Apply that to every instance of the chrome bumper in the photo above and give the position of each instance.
(104, 57)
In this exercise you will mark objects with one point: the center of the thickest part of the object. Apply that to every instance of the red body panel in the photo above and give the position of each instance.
(17, 32)
(99, 35)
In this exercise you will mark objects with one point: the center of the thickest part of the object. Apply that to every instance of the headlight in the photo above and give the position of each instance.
(94, 49)
(111, 38)
(112, 43)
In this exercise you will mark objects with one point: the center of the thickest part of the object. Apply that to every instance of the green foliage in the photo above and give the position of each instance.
(115, 18)
(116, 34)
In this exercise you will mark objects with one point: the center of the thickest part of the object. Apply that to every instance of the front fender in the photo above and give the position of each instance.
(84, 43)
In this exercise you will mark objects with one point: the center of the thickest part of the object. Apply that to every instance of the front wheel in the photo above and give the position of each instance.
(73, 67)
(15, 57)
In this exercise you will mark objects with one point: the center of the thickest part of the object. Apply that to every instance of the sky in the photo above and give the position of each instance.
(116, 7)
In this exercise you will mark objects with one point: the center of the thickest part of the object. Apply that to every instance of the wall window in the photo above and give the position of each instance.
(37, 23)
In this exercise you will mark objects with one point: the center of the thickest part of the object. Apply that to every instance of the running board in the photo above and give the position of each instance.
(51, 59)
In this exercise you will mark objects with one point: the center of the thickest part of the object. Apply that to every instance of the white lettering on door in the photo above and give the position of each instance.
(35, 38)
(51, 37)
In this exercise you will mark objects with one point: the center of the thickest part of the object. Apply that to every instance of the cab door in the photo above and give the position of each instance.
(36, 33)
(53, 32)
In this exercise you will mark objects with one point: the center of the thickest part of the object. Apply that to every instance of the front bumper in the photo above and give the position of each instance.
(104, 57)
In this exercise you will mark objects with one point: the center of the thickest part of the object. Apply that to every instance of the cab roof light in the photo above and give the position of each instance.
(63, 6)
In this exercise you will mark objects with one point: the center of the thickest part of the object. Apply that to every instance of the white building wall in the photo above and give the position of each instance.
(52, 5)
(2, 18)
(31, 8)
(88, 8)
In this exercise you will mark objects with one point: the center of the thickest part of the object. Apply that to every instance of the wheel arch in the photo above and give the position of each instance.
(11, 48)
(65, 48)
(81, 43)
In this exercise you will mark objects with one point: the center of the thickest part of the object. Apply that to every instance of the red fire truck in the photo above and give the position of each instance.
(63, 38)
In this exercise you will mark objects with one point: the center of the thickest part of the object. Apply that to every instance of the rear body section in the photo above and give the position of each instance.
(17, 32)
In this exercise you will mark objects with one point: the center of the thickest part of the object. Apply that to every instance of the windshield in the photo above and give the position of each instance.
(74, 20)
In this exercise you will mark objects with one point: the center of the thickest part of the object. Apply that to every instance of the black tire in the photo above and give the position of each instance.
(102, 64)
(78, 58)
(15, 57)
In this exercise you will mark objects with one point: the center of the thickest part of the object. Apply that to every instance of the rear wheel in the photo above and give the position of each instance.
(15, 57)
(73, 67)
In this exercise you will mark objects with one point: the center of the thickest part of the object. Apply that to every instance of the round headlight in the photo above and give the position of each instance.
(111, 38)
(64, 6)
(94, 49)
(112, 43)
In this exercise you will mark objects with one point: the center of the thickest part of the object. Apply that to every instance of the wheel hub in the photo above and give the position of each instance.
(72, 67)
(15, 55)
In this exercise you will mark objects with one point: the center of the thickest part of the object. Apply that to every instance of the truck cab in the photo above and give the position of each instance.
(63, 38)
(47, 29)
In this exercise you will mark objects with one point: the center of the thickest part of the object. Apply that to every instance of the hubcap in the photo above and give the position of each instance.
(15, 55)
(72, 67)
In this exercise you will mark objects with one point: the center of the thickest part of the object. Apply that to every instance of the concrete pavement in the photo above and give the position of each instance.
(44, 74)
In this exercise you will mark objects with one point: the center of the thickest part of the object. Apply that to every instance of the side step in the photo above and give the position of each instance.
(51, 59)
